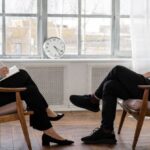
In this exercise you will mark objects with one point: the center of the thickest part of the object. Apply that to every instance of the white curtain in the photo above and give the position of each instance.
(140, 35)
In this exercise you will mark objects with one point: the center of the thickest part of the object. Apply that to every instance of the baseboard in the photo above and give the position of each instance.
(73, 108)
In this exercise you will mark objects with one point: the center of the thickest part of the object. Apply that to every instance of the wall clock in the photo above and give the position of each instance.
(54, 47)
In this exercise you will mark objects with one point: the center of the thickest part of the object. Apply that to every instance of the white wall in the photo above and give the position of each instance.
(58, 79)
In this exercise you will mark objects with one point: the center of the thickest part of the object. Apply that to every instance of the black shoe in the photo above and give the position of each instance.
(84, 102)
(47, 139)
(99, 136)
(59, 116)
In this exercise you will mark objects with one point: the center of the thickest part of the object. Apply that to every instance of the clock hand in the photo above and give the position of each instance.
(57, 50)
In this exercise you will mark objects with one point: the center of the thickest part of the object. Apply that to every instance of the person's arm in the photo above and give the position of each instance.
(146, 75)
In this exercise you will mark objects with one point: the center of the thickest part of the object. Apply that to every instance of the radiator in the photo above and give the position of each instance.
(98, 75)
(50, 81)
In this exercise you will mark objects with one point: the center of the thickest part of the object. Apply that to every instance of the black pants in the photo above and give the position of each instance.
(119, 83)
(35, 101)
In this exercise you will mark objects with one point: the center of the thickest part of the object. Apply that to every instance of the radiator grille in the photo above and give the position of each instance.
(98, 74)
(50, 81)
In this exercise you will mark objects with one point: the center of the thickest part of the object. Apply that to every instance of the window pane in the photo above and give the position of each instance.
(125, 35)
(21, 6)
(62, 6)
(65, 28)
(0, 35)
(96, 36)
(125, 6)
(21, 36)
(96, 7)
(0, 6)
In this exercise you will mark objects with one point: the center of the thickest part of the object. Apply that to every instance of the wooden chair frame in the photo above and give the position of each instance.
(19, 115)
(138, 116)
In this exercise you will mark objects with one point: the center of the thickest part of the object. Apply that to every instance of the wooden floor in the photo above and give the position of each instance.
(73, 126)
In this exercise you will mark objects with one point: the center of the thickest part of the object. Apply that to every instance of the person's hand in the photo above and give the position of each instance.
(4, 71)
(146, 75)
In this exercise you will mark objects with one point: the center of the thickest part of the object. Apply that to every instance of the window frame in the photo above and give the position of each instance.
(42, 19)
(119, 53)
(3, 14)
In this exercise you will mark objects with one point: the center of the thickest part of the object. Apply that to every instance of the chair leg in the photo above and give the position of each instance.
(137, 131)
(25, 131)
(122, 121)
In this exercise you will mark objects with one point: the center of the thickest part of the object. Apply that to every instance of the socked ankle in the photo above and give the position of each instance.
(94, 100)
(108, 130)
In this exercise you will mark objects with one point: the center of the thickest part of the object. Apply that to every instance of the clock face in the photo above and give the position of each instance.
(54, 47)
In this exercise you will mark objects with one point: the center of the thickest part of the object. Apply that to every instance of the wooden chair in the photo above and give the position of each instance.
(15, 111)
(138, 109)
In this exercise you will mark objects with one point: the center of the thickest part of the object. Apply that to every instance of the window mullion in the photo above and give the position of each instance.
(42, 24)
(39, 24)
(3, 29)
(79, 27)
(117, 27)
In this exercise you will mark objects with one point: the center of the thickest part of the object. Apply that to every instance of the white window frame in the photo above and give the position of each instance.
(4, 15)
(42, 17)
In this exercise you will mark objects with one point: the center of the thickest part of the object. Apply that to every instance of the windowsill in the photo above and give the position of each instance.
(69, 60)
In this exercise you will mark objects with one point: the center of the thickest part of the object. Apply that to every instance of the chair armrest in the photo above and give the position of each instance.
(17, 91)
(144, 105)
(3, 89)
(19, 103)
(144, 86)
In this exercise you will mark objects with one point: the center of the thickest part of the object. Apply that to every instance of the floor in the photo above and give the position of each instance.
(73, 126)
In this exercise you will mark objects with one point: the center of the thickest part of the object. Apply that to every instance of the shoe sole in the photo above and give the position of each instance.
(104, 141)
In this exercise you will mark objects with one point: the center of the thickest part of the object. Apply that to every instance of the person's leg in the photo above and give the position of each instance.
(23, 79)
(35, 101)
(40, 121)
(105, 134)
(128, 78)
(112, 90)
(32, 95)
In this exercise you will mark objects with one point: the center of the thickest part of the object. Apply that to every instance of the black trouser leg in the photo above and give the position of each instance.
(34, 99)
(127, 78)
(111, 90)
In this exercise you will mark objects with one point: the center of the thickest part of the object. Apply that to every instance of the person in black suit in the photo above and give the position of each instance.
(42, 116)
(120, 82)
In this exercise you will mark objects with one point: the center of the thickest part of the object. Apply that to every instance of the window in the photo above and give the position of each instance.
(96, 27)
(19, 28)
(89, 28)
(84, 25)
(125, 41)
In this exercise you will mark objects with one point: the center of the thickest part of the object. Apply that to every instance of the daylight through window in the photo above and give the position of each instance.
(89, 28)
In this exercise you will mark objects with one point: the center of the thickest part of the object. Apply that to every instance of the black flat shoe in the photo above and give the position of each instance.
(59, 116)
(47, 139)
